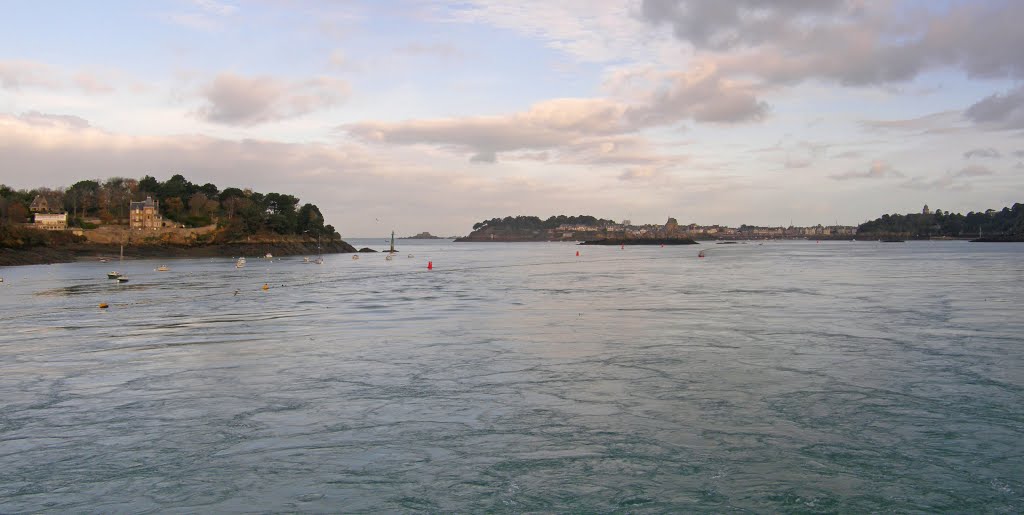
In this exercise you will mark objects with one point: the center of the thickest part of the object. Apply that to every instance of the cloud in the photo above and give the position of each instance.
(927, 124)
(725, 24)
(54, 120)
(1018, 153)
(15, 75)
(443, 51)
(953, 181)
(877, 170)
(974, 171)
(235, 100)
(666, 99)
(847, 41)
(849, 154)
(999, 110)
(18, 75)
(987, 152)
(643, 174)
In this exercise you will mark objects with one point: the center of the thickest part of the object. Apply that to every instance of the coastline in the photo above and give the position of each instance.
(44, 255)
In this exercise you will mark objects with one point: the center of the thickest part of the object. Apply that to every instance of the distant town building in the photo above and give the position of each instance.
(51, 222)
(926, 211)
(146, 214)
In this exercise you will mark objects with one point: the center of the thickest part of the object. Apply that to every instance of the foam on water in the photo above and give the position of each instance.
(797, 377)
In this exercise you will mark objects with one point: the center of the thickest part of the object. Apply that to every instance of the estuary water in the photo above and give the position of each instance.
(783, 377)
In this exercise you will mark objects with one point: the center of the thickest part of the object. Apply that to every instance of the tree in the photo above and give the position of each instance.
(17, 212)
(149, 185)
(310, 219)
(81, 195)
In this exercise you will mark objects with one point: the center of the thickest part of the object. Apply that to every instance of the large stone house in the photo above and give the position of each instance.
(145, 214)
(39, 205)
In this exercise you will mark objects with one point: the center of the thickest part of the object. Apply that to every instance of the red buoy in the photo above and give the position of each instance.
(622, 246)
(430, 265)
(577, 253)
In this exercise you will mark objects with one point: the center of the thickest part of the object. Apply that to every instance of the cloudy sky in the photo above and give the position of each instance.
(419, 115)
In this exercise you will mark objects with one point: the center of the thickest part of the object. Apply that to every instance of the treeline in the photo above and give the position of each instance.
(533, 222)
(1008, 221)
(239, 211)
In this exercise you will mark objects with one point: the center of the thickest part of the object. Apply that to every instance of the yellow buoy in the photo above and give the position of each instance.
(103, 305)
(266, 286)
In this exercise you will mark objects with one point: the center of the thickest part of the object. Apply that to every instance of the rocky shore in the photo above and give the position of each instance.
(79, 251)
(641, 241)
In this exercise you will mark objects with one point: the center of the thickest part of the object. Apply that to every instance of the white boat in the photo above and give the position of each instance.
(319, 261)
(113, 275)
(305, 260)
(269, 256)
(355, 256)
(240, 263)
(162, 268)
(700, 254)
(389, 257)
(122, 279)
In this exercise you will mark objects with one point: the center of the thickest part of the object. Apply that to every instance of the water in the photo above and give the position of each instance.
(784, 377)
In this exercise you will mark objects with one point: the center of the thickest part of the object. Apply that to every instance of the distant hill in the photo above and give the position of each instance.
(1006, 224)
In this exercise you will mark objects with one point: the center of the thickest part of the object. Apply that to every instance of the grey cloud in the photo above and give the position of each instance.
(877, 170)
(974, 171)
(52, 120)
(1018, 153)
(851, 42)
(703, 96)
(987, 152)
(235, 100)
(484, 157)
(928, 124)
(999, 110)
(724, 24)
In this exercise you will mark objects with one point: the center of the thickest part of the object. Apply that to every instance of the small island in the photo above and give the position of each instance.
(422, 236)
(150, 218)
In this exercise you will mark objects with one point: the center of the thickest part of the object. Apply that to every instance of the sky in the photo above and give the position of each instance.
(430, 116)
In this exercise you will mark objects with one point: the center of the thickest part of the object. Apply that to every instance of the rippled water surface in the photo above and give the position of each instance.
(794, 377)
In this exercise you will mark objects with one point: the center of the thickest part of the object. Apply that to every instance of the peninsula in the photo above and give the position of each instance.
(993, 225)
(151, 218)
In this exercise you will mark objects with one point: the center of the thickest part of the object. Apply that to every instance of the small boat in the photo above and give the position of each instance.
(318, 261)
(305, 259)
(389, 257)
(269, 256)
(122, 279)
(355, 256)
(103, 260)
(113, 275)
(411, 256)
(240, 263)
(163, 268)
(700, 254)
